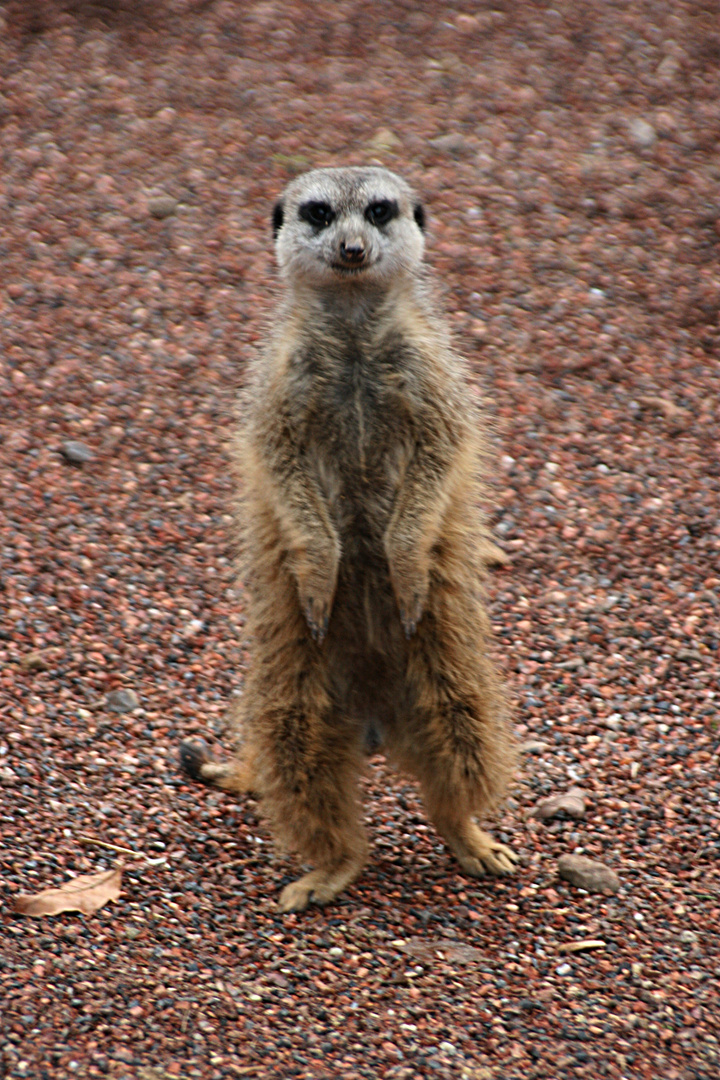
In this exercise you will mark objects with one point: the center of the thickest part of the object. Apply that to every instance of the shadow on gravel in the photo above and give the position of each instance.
(29, 19)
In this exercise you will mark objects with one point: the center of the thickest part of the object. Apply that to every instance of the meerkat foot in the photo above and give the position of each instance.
(477, 852)
(495, 858)
(318, 887)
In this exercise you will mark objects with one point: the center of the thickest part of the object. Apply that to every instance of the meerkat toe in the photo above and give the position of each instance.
(499, 859)
(496, 858)
(477, 852)
(194, 753)
(472, 867)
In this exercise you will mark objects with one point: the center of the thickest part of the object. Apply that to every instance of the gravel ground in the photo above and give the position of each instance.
(569, 160)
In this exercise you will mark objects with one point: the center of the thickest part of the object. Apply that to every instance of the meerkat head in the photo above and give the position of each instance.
(349, 226)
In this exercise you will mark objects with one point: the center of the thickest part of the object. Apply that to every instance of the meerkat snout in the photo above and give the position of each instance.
(353, 252)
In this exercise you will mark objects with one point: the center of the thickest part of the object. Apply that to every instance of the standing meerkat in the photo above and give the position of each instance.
(364, 546)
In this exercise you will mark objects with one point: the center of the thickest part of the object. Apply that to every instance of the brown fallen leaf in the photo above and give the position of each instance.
(86, 893)
(454, 952)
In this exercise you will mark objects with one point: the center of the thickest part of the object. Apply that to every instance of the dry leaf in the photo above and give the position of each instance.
(453, 952)
(86, 893)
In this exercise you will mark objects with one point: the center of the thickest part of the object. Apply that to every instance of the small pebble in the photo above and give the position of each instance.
(452, 143)
(571, 804)
(162, 206)
(447, 1048)
(587, 874)
(534, 746)
(76, 452)
(122, 701)
(642, 133)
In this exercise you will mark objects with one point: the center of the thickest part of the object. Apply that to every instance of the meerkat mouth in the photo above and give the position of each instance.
(348, 270)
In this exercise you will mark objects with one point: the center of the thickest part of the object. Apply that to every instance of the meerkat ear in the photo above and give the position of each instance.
(419, 215)
(277, 218)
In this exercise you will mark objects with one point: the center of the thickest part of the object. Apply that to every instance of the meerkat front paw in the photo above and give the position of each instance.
(316, 582)
(410, 577)
(410, 586)
(317, 615)
(411, 615)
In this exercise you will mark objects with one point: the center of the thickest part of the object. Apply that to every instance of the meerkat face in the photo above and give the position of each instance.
(348, 226)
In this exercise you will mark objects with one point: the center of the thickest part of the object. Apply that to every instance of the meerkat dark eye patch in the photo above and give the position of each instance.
(381, 211)
(317, 214)
(419, 215)
(277, 218)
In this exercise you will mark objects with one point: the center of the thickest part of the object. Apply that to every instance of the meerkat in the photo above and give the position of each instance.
(365, 551)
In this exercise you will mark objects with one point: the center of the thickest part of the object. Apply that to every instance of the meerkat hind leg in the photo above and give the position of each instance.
(476, 851)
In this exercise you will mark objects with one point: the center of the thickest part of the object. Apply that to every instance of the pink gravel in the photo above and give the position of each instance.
(568, 156)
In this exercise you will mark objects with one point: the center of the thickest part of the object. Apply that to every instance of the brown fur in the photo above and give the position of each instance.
(364, 557)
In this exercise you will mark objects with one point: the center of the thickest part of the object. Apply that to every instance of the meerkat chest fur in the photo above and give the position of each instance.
(355, 397)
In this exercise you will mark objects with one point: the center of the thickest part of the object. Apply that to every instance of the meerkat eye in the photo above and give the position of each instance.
(381, 212)
(419, 215)
(317, 214)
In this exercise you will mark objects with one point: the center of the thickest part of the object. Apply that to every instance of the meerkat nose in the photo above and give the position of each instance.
(353, 252)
